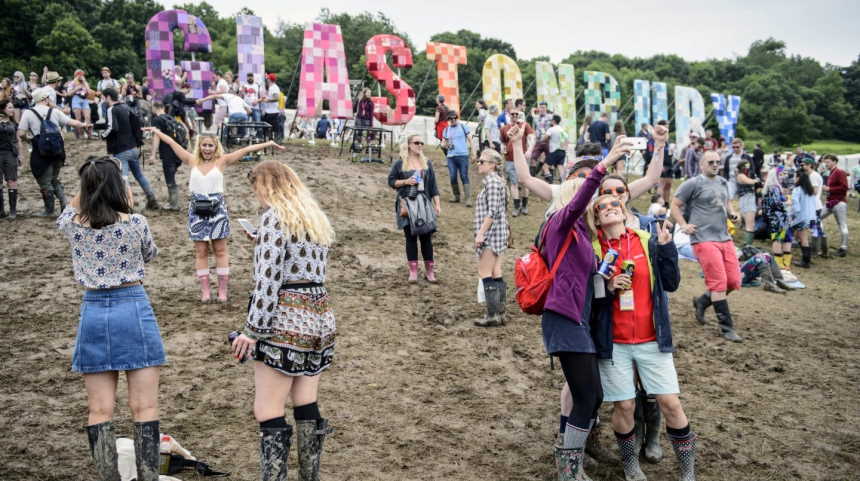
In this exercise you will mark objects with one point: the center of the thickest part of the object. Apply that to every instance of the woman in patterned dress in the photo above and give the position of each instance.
(206, 186)
(491, 237)
(290, 328)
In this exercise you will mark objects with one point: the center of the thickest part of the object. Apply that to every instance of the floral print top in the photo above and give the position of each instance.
(280, 257)
(110, 256)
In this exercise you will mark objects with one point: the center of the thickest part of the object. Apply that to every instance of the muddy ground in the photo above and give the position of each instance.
(417, 392)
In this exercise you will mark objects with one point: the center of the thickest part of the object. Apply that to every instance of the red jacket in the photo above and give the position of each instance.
(837, 183)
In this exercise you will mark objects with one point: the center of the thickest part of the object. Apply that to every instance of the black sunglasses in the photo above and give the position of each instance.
(418, 142)
(617, 190)
(714, 162)
(605, 205)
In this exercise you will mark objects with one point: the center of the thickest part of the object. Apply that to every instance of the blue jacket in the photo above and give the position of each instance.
(665, 277)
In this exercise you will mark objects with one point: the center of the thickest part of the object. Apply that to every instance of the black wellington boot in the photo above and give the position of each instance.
(48, 200)
(13, 203)
(724, 317)
(455, 190)
(147, 439)
(274, 452)
(310, 435)
(653, 420)
(103, 449)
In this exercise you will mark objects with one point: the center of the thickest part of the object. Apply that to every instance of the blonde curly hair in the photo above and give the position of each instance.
(295, 206)
(198, 156)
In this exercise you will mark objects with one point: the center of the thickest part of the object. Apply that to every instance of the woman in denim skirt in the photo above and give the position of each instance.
(117, 330)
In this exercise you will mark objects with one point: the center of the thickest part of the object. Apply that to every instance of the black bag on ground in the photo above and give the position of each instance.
(173, 464)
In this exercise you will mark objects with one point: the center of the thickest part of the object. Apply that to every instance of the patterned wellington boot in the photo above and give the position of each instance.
(103, 449)
(628, 449)
(569, 463)
(311, 434)
(147, 439)
(685, 451)
(274, 451)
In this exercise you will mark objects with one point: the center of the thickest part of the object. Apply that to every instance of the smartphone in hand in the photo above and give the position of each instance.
(248, 226)
(637, 143)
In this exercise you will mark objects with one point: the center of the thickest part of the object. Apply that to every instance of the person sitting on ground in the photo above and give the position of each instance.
(323, 127)
(412, 176)
(117, 330)
(208, 219)
(658, 206)
(633, 332)
(759, 266)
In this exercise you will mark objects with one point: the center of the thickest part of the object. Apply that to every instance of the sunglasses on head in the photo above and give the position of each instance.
(620, 190)
(608, 204)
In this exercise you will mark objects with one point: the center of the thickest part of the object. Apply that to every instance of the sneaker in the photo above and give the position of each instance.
(731, 335)
(841, 252)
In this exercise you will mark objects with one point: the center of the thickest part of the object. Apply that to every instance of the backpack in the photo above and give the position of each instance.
(49, 142)
(135, 125)
(533, 279)
(175, 130)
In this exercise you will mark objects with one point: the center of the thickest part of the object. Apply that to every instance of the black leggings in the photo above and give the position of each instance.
(412, 245)
(583, 378)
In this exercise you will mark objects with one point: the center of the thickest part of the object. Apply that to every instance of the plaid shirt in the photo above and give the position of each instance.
(491, 203)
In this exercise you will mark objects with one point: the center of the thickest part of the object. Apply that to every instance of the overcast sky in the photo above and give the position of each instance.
(827, 30)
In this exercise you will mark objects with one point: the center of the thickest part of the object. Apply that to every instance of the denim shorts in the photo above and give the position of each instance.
(79, 102)
(117, 332)
(656, 370)
(511, 173)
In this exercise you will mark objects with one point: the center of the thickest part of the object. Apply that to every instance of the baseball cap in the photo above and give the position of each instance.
(272, 77)
(40, 94)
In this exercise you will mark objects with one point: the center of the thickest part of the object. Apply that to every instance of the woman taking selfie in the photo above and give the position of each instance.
(208, 220)
(491, 237)
(632, 331)
(117, 329)
(566, 316)
(290, 329)
(412, 176)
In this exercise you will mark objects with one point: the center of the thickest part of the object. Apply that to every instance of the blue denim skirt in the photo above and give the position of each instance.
(117, 332)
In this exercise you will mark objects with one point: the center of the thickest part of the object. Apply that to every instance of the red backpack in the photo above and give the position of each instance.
(532, 277)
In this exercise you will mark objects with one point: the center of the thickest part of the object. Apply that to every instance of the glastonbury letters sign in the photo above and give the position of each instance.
(324, 77)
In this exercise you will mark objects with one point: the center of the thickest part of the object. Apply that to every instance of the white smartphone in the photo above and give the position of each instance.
(637, 143)
(248, 226)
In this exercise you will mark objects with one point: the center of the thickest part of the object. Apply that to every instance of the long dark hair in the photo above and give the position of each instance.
(804, 183)
(104, 193)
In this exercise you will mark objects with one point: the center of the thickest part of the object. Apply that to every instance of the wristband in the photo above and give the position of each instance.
(600, 168)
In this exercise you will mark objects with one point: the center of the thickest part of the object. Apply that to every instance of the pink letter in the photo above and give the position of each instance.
(324, 75)
(404, 95)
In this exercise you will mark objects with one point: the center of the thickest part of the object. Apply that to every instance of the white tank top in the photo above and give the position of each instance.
(210, 183)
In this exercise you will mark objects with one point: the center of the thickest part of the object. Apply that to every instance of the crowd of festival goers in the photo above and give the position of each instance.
(605, 316)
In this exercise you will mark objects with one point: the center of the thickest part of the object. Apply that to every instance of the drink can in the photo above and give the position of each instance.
(628, 267)
(608, 263)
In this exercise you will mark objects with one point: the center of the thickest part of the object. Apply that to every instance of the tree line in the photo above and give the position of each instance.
(787, 99)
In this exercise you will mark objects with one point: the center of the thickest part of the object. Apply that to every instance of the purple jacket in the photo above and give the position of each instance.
(570, 287)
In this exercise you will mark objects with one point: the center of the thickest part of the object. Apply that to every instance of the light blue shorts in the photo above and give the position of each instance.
(511, 173)
(80, 103)
(656, 371)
